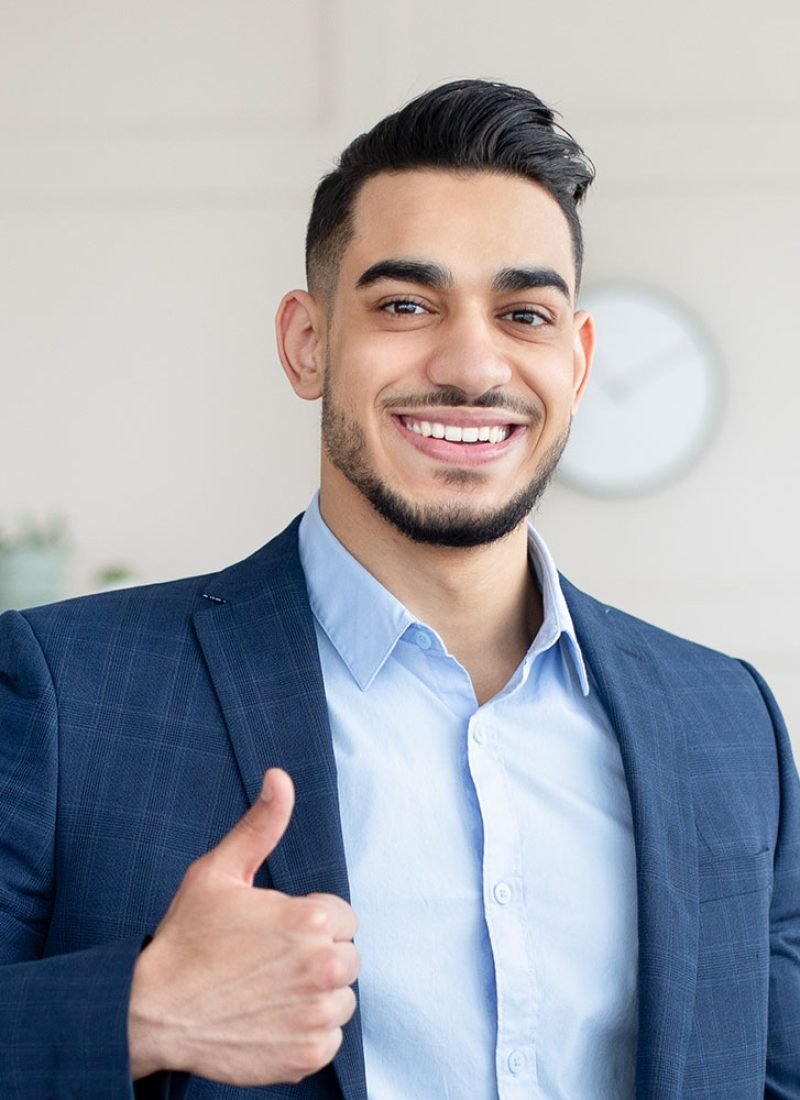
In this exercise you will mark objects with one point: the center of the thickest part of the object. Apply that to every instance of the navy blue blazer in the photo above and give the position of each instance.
(134, 731)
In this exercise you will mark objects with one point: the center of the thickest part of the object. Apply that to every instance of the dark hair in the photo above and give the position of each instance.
(467, 125)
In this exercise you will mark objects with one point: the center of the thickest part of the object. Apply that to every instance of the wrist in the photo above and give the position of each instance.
(147, 1051)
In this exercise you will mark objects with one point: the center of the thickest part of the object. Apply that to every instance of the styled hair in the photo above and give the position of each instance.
(466, 125)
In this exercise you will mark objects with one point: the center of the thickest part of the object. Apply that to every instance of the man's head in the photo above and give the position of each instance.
(465, 126)
(440, 328)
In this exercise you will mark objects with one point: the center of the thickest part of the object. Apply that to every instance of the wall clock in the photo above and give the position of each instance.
(654, 397)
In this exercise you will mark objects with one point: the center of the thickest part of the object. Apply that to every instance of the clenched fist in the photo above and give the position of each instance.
(243, 985)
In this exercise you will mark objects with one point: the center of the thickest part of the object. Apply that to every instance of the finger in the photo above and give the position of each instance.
(255, 836)
(350, 961)
(343, 920)
(343, 1002)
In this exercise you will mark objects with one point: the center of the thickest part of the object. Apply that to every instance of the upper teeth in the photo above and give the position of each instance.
(485, 433)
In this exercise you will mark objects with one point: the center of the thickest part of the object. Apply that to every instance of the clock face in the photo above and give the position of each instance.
(653, 398)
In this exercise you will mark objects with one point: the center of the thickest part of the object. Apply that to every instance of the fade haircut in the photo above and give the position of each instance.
(463, 126)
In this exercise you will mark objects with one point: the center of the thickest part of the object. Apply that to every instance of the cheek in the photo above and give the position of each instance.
(369, 383)
(551, 384)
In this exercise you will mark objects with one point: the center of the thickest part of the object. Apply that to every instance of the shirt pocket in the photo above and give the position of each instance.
(728, 875)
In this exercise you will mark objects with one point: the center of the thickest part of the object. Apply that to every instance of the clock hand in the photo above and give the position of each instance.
(644, 373)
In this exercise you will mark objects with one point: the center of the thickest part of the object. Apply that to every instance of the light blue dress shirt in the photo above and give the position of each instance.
(489, 851)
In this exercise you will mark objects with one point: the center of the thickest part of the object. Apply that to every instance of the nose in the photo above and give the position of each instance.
(467, 355)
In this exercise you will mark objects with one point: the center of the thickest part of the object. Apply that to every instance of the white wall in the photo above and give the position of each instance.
(156, 165)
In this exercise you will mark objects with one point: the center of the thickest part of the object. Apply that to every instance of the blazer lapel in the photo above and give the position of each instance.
(257, 635)
(628, 672)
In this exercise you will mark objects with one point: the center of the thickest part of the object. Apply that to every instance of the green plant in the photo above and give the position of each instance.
(30, 534)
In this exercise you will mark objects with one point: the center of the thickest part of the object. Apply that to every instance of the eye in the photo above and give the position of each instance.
(402, 307)
(526, 316)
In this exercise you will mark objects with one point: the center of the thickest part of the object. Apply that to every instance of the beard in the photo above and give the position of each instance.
(453, 523)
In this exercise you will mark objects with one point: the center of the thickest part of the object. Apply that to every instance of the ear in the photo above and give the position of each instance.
(583, 353)
(299, 332)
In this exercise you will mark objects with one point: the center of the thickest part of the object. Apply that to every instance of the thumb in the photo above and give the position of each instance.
(255, 836)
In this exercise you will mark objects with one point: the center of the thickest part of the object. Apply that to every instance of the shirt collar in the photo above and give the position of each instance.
(364, 621)
(556, 622)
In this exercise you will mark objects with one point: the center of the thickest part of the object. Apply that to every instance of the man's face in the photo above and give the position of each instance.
(453, 359)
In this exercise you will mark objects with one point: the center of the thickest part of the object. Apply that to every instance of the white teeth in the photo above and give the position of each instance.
(454, 433)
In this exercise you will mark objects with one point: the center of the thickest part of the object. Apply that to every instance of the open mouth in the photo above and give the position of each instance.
(459, 433)
(457, 439)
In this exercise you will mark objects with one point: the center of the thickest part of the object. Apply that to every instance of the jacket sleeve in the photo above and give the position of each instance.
(783, 1037)
(63, 1018)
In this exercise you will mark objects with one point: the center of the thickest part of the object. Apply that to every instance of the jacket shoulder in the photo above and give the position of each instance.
(593, 617)
(163, 610)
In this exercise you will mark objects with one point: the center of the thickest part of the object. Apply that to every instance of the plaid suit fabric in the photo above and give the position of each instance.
(134, 730)
(716, 804)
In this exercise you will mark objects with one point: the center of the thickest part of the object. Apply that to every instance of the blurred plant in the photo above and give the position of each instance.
(115, 575)
(32, 563)
(33, 535)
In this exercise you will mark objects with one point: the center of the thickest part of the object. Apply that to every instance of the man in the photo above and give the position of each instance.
(572, 841)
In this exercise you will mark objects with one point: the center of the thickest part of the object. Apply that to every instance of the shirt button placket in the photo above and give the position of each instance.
(516, 1062)
(502, 893)
(515, 1067)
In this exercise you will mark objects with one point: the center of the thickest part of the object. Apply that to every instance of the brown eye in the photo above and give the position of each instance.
(402, 306)
(526, 317)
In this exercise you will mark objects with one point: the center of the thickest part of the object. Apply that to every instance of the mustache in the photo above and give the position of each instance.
(453, 397)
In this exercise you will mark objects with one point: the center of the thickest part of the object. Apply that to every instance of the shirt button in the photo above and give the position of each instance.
(502, 894)
(478, 736)
(423, 640)
(516, 1062)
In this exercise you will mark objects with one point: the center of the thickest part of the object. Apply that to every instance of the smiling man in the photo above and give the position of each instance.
(566, 843)
(463, 348)
(450, 360)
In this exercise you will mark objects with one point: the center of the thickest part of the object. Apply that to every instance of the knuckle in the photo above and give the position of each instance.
(313, 916)
(328, 968)
(342, 914)
(350, 918)
(350, 1002)
(335, 1039)
(298, 1068)
(315, 1053)
(352, 962)
(321, 1014)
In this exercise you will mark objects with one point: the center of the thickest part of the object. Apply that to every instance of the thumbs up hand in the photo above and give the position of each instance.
(242, 985)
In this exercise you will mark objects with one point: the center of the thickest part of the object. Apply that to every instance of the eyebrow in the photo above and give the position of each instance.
(529, 278)
(424, 273)
(407, 271)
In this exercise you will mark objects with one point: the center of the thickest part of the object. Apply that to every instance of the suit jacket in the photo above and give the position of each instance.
(134, 731)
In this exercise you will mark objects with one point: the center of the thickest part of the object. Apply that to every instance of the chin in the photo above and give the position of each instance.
(452, 522)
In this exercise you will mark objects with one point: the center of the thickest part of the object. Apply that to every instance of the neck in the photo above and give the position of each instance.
(482, 601)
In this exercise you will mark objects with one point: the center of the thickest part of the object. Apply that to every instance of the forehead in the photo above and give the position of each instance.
(474, 223)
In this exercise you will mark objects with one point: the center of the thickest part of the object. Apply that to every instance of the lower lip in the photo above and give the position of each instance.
(460, 454)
